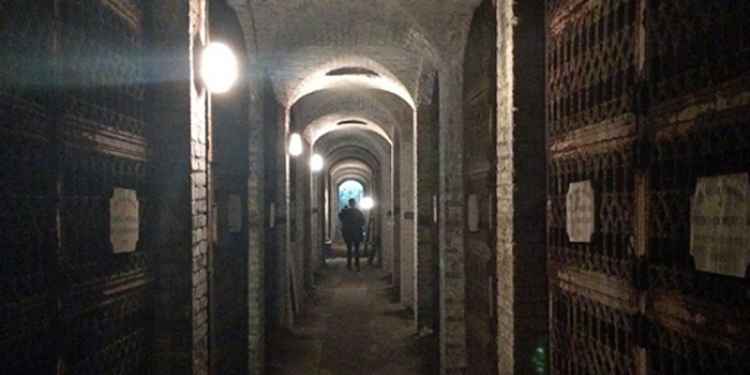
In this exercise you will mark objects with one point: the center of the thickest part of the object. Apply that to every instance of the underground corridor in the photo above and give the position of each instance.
(533, 187)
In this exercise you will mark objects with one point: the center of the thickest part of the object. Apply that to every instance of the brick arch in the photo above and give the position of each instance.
(351, 166)
(383, 109)
(329, 123)
(316, 78)
(399, 36)
(389, 37)
(355, 143)
(349, 155)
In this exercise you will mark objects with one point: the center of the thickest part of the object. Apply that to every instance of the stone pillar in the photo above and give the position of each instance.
(397, 219)
(451, 222)
(257, 224)
(427, 178)
(521, 185)
(259, 116)
(306, 220)
(298, 243)
(383, 206)
(408, 228)
(283, 312)
(179, 115)
(315, 217)
(387, 214)
(333, 196)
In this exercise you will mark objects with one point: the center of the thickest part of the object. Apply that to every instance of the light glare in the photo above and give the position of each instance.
(367, 203)
(295, 144)
(316, 163)
(218, 68)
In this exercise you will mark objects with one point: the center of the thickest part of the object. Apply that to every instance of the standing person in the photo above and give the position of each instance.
(352, 221)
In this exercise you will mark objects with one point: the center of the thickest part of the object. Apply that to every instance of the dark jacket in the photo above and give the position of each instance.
(352, 221)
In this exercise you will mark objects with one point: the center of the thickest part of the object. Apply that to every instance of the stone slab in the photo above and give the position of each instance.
(124, 222)
(719, 225)
(580, 212)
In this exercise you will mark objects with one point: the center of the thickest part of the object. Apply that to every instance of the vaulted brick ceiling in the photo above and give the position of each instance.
(320, 113)
(354, 144)
(302, 40)
(348, 168)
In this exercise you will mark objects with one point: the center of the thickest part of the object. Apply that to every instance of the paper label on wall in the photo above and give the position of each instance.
(123, 220)
(719, 225)
(580, 211)
(234, 213)
(473, 213)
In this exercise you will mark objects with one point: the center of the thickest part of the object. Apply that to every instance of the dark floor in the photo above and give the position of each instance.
(350, 326)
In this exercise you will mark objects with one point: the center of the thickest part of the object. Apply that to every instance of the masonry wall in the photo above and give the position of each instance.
(521, 251)
(317, 221)
(258, 223)
(182, 233)
(479, 103)
(408, 225)
(451, 222)
(395, 255)
(260, 112)
(274, 188)
(427, 190)
(388, 222)
(386, 211)
(299, 243)
(229, 282)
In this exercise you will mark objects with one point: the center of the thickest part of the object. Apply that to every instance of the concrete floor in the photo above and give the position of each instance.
(350, 326)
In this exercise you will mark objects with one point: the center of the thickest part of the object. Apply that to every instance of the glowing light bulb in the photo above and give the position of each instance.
(295, 144)
(367, 203)
(316, 163)
(219, 68)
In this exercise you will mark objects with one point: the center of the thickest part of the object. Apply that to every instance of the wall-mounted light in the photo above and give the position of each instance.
(295, 144)
(218, 68)
(316, 163)
(367, 203)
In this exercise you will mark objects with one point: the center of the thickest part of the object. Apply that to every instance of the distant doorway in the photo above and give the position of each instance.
(350, 189)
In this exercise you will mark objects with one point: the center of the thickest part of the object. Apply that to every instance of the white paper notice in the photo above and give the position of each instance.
(579, 214)
(719, 225)
(123, 220)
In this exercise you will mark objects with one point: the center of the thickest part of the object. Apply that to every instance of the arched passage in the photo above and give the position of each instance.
(151, 226)
(392, 119)
(369, 159)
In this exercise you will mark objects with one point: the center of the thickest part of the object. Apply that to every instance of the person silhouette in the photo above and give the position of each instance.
(352, 221)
